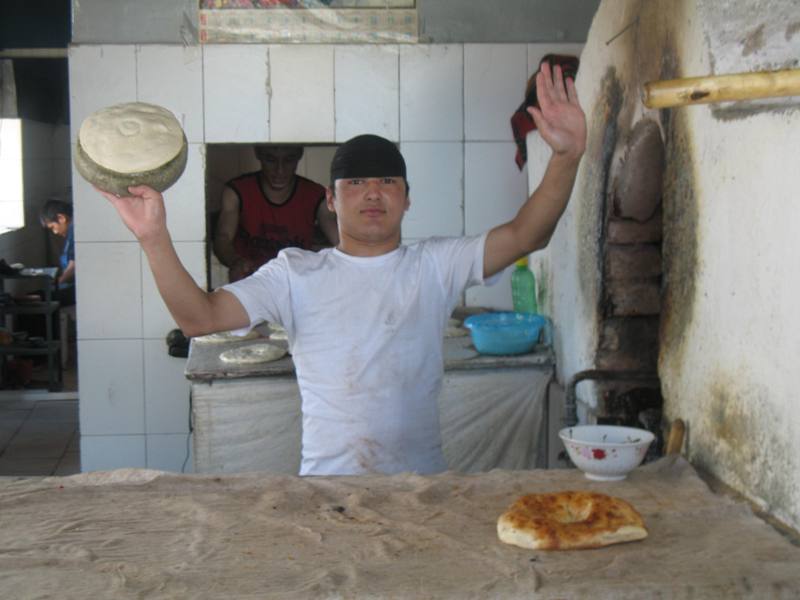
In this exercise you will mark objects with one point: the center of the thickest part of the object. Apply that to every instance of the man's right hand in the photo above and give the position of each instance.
(142, 212)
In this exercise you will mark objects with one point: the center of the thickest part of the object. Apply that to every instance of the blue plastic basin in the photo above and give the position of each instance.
(505, 332)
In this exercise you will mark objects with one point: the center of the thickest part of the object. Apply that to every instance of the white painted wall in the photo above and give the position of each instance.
(448, 106)
(730, 327)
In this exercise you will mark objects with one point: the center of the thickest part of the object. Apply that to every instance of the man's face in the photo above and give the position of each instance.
(59, 226)
(369, 210)
(278, 164)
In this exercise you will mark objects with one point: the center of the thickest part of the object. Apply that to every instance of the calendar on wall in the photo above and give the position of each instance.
(308, 21)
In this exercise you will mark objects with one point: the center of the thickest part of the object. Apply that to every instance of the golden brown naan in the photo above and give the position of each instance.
(569, 520)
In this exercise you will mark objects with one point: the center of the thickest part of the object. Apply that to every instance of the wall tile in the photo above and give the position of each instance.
(172, 77)
(107, 452)
(301, 81)
(37, 140)
(170, 452)
(112, 386)
(494, 86)
(109, 290)
(436, 175)
(496, 296)
(96, 220)
(99, 76)
(316, 164)
(366, 91)
(156, 320)
(495, 189)
(61, 184)
(61, 144)
(166, 390)
(186, 199)
(431, 93)
(235, 92)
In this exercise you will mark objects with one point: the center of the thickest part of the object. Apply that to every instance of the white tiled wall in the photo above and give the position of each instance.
(172, 76)
(436, 180)
(367, 91)
(235, 93)
(432, 93)
(494, 86)
(490, 201)
(301, 86)
(447, 105)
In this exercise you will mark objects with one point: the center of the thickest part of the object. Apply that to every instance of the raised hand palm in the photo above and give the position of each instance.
(559, 118)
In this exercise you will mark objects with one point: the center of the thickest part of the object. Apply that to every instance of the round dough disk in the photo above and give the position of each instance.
(252, 354)
(133, 143)
(276, 332)
(224, 337)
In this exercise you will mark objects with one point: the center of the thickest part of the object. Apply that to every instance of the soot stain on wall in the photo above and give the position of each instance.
(680, 242)
(742, 440)
(754, 41)
(601, 142)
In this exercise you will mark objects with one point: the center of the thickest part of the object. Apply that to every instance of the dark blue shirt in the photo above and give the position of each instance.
(68, 253)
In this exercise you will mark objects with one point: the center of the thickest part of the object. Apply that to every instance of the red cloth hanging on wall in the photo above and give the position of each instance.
(521, 122)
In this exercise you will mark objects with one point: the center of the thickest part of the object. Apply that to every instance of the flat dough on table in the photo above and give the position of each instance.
(224, 337)
(569, 521)
(252, 354)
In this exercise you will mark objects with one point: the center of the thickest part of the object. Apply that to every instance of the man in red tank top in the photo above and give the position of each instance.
(271, 209)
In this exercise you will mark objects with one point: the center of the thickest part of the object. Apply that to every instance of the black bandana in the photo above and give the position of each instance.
(367, 156)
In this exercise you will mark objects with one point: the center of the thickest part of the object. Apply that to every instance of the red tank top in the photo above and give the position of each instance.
(266, 228)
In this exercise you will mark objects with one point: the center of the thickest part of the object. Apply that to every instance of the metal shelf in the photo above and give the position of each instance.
(30, 308)
(47, 309)
(37, 350)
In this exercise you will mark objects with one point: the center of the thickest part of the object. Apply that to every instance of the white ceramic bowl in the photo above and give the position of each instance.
(606, 452)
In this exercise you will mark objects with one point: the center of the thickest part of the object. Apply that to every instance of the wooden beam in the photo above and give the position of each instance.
(721, 88)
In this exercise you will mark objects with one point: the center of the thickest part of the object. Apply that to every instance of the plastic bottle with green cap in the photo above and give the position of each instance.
(523, 288)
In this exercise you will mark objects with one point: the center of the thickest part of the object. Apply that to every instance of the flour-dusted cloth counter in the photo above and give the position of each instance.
(247, 417)
(148, 534)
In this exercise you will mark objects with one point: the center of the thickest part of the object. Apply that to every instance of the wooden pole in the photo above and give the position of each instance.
(675, 439)
(721, 88)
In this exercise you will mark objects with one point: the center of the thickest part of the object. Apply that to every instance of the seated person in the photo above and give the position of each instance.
(56, 216)
(269, 210)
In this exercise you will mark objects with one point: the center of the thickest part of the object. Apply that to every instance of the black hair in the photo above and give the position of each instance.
(367, 156)
(52, 208)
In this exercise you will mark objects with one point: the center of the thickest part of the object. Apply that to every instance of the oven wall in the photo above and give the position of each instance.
(447, 105)
(730, 335)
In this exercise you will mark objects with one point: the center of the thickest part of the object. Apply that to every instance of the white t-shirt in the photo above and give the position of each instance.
(366, 336)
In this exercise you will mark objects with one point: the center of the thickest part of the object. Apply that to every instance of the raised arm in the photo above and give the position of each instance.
(196, 311)
(561, 123)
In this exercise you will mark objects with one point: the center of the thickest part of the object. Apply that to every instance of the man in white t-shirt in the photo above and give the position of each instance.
(365, 320)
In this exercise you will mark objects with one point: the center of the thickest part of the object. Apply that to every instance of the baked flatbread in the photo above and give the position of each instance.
(569, 520)
(252, 354)
(224, 337)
